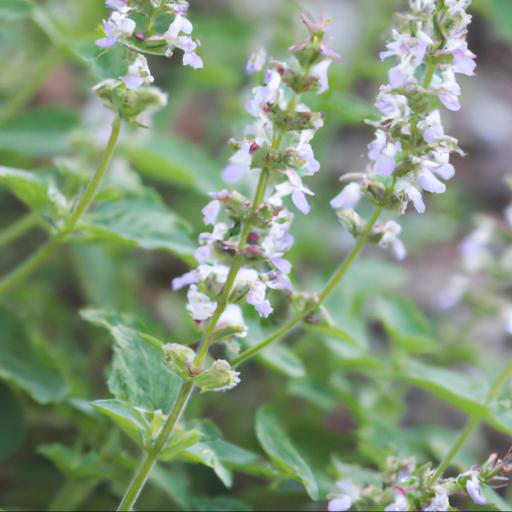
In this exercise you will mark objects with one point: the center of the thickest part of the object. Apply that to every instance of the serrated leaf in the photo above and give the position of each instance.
(131, 420)
(175, 161)
(27, 364)
(140, 221)
(406, 325)
(462, 392)
(278, 446)
(138, 375)
(15, 9)
(39, 132)
(36, 189)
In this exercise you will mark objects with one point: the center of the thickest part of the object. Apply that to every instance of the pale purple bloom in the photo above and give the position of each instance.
(282, 264)
(256, 297)
(185, 280)
(348, 197)
(232, 317)
(344, 497)
(211, 212)
(392, 230)
(263, 94)
(138, 73)
(320, 72)
(256, 61)
(117, 5)
(412, 194)
(407, 46)
(474, 490)
(239, 164)
(399, 505)
(440, 503)
(432, 127)
(118, 26)
(448, 90)
(305, 153)
(402, 75)
(463, 57)
(393, 106)
(296, 188)
(430, 183)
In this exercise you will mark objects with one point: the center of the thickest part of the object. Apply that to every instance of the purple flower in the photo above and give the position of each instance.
(239, 164)
(118, 26)
(118, 5)
(320, 72)
(256, 61)
(138, 73)
(185, 280)
(210, 212)
(298, 191)
(474, 490)
(348, 197)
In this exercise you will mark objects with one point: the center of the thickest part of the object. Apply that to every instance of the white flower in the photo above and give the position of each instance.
(211, 211)
(411, 194)
(232, 317)
(200, 306)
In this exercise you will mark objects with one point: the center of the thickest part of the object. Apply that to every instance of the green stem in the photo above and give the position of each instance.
(473, 423)
(35, 261)
(329, 287)
(18, 228)
(259, 195)
(142, 474)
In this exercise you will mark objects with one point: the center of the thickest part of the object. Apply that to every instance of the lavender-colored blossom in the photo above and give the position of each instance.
(138, 73)
(200, 306)
(320, 72)
(345, 496)
(391, 230)
(440, 503)
(474, 490)
(232, 317)
(256, 61)
(264, 94)
(211, 212)
(239, 164)
(117, 5)
(296, 188)
(185, 280)
(348, 197)
(400, 504)
(117, 27)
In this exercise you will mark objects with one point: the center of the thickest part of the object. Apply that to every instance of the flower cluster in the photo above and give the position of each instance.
(411, 152)
(122, 94)
(404, 486)
(245, 250)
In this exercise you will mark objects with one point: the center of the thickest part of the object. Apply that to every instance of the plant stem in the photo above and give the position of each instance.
(18, 228)
(473, 423)
(43, 253)
(142, 474)
(329, 287)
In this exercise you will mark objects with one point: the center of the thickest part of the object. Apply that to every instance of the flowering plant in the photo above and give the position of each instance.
(364, 355)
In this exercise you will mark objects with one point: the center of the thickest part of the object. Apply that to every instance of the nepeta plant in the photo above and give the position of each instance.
(242, 275)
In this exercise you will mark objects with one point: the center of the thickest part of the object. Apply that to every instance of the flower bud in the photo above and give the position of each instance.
(219, 377)
(179, 359)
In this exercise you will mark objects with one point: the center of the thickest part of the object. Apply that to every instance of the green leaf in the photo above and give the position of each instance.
(73, 463)
(279, 448)
(219, 504)
(406, 325)
(500, 416)
(139, 374)
(15, 9)
(283, 360)
(128, 418)
(493, 498)
(175, 161)
(355, 359)
(36, 189)
(313, 391)
(26, 364)
(143, 222)
(12, 424)
(462, 392)
(180, 440)
(334, 332)
(39, 132)
(204, 454)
